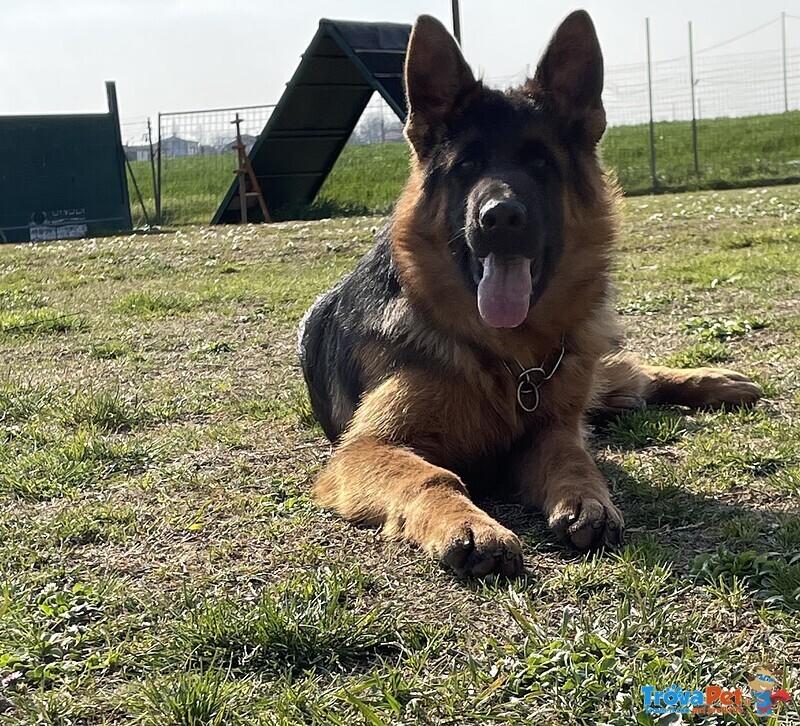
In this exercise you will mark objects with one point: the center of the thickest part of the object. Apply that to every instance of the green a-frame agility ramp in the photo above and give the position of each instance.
(343, 66)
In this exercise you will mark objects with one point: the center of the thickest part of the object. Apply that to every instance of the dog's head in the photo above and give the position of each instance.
(497, 163)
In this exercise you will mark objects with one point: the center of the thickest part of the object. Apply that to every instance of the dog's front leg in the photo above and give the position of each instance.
(380, 484)
(557, 474)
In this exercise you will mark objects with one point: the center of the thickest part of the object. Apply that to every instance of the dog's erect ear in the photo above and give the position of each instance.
(437, 77)
(570, 74)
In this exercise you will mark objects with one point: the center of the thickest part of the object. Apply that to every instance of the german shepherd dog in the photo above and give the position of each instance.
(466, 348)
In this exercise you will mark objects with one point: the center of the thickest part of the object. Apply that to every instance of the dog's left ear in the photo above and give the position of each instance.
(569, 77)
(437, 78)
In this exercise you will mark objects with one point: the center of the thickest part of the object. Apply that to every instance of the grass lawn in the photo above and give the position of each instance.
(162, 562)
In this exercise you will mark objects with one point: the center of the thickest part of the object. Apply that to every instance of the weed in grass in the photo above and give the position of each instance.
(92, 523)
(291, 405)
(773, 577)
(314, 621)
(38, 322)
(649, 427)
(742, 528)
(213, 347)
(722, 329)
(724, 455)
(56, 632)
(303, 699)
(646, 551)
(733, 593)
(16, 298)
(770, 387)
(757, 238)
(701, 354)
(647, 304)
(788, 534)
(65, 464)
(152, 305)
(22, 402)
(48, 708)
(567, 671)
(191, 699)
(104, 410)
(657, 495)
(110, 351)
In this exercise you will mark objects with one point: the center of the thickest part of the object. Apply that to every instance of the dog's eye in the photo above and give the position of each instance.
(467, 166)
(535, 156)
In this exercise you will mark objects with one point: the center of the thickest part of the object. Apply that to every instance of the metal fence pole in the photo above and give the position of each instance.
(156, 200)
(456, 21)
(694, 115)
(653, 176)
(783, 46)
(158, 191)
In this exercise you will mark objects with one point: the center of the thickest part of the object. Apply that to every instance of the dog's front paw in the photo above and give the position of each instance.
(587, 523)
(481, 548)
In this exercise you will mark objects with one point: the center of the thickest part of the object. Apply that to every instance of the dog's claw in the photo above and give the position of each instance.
(588, 523)
(484, 549)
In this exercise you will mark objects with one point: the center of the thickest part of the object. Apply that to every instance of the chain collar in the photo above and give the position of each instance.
(527, 387)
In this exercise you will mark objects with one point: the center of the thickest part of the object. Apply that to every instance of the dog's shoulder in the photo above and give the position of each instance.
(371, 309)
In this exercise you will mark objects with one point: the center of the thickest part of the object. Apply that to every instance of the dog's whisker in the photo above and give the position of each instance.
(458, 236)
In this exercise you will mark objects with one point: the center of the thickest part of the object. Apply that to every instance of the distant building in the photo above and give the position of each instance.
(174, 146)
(247, 139)
(137, 153)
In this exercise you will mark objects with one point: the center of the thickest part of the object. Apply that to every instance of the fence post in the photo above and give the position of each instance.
(156, 200)
(158, 193)
(783, 46)
(653, 176)
(694, 115)
(457, 22)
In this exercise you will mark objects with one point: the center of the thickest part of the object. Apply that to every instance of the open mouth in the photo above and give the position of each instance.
(505, 286)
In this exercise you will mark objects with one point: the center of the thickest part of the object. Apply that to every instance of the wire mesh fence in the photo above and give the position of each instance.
(703, 120)
(139, 147)
(196, 158)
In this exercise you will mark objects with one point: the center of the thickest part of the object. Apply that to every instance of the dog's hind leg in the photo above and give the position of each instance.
(624, 382)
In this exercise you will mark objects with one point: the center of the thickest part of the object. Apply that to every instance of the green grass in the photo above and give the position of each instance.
(636, 429)
(733, 152)
(36, 322)
(699, 355)
(162, 560)
(147, 304)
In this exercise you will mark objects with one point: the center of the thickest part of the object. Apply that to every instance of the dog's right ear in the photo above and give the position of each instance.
(437, 77)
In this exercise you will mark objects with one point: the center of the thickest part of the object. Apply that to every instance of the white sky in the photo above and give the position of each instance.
(170, 55)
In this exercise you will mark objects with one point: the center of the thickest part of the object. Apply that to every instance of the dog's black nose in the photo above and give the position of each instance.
(502, 215)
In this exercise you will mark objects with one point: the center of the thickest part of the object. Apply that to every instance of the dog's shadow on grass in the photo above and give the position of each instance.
(703, 537)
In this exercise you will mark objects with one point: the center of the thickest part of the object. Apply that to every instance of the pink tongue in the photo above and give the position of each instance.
(504, 292)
